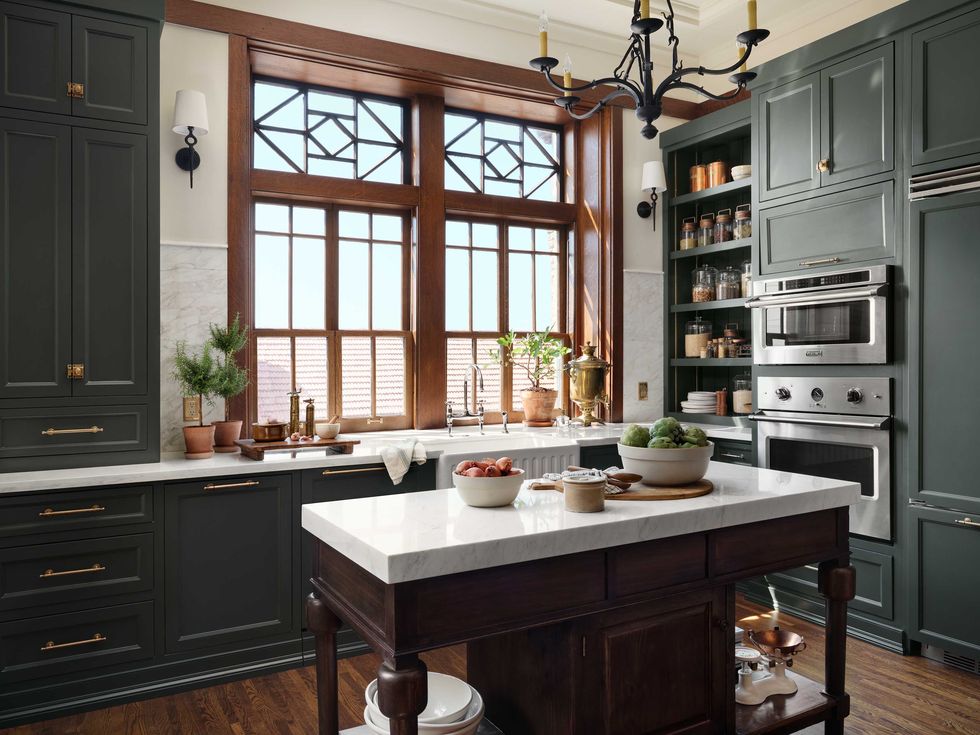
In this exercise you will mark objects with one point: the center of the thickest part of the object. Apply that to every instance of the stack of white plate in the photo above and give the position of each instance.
(699, 401)
(453, 708)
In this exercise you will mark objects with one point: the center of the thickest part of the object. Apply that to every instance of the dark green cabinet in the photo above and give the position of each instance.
(109, 59)
(733, 452)
(211, 601)
(789, 138)
(945, 106)
(35, 58)
(35, 249)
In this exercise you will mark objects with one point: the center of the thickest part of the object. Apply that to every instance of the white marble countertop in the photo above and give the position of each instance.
(412, 536)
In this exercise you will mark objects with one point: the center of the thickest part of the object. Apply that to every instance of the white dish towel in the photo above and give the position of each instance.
(398, 457)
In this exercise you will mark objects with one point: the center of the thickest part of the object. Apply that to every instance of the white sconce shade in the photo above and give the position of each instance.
(190, 111)
(654, 179)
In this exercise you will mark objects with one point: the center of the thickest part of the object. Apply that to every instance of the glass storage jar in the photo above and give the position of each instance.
(703, 281)
(742, 228)
(706, 230)
(723, 226)
(689, 234)
(746, 279)
(728, 284)
(742, 395)
(697, 334)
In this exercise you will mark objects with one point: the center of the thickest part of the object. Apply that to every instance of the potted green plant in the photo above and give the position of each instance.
(195, 373)
(230, 380)
(537, 355)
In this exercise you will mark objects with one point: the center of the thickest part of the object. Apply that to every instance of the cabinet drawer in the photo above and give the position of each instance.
(733, 452)
(27, 432)
(75, 570)
(63, 644)
(656, 564)
(786, 543)
(79, 509)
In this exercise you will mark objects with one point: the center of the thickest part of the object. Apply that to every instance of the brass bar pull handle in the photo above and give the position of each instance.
(51, 512)
(819, 261)
(354, 471)
(230, 485)
(88, 430)
(48, 573)
(52, 646)
(968, 522)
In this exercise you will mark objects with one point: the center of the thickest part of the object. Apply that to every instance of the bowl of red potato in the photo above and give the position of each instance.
(488, 482)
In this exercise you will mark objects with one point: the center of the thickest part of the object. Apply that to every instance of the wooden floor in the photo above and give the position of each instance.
(889, 694)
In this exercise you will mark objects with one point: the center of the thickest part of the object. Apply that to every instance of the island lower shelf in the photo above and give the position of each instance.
(783, 713)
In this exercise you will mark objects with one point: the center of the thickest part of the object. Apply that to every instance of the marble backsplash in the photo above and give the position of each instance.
(643, 344)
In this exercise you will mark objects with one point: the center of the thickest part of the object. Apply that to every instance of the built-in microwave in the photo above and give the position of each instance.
(822, 318)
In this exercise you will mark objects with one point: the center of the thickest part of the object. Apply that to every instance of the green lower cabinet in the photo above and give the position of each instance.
(600, 457)
(733, 452)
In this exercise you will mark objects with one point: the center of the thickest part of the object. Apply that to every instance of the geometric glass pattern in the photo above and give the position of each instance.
(502, 156)
(325, 132)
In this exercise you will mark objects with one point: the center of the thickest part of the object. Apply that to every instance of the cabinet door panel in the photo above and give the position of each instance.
(34, 58)
(109, 253)
(789, 142)
(858, 116)
(944, 264)
(110, 60)
(35, 249)
(945, 107)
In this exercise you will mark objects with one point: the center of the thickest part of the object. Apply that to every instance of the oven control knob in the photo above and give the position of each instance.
(783, 394)
(817, 395)
(854, 395)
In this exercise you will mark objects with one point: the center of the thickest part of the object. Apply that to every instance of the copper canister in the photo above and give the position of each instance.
(717, 173)
(699, 177)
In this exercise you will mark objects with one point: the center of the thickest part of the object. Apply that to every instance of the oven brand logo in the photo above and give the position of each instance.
(814, 353)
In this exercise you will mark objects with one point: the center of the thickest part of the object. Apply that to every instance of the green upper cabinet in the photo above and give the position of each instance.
(828, 127)
(944, 109)
(110, 60)
(35, 63)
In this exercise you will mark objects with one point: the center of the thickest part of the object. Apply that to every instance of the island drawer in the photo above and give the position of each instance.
(772, 546)
(78, 641)
(653, 565)
(78, 509)
(75, 570)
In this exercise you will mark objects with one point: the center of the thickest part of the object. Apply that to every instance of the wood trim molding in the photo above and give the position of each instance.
(483, 205)
(353, 192)
(709, 106)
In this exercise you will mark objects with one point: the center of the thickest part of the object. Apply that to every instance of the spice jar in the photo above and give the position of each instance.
(742, 395)
(717, 173)
(742, 228)
(746, 279)
(728, 284)
(699, 177)
(697, 334)
(723, 226)
(703, 281)
(706, 230)
(689, 234)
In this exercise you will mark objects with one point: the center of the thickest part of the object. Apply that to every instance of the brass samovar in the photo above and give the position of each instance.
(587, 383)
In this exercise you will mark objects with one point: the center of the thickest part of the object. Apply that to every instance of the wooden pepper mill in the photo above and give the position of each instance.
(309, 427)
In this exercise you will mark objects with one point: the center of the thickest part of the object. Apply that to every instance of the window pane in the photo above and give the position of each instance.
(311, 373)
(491, 374)
(389, 360)
(272, 217)
(520, 238)
(271, 282)
(546, 241)
(307, 221)
(387, 227)
(352, 311)
(485, 290)
(387, 288)
(355, 366)
(519, 292)
(457, 233)
(457, 290)
(459, 354)
(274, 377)
(546, 292)
(309, 283)
(484, 235)
(264, 156)
(354, 224)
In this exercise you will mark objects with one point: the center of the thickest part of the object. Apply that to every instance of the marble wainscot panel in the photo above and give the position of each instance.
(193, 293)
(643, 344)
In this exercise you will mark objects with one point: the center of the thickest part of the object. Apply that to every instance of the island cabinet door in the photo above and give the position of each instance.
(658, 668)
(228, 561)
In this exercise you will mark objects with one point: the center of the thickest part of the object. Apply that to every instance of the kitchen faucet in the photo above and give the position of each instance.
(452, 416)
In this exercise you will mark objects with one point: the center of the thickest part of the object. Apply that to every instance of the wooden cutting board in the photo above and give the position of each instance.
(256, 450)
(649, 492)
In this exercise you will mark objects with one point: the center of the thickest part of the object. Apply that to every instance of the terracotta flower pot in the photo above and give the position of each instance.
(225, 433)
(538, 406)
(199, 442)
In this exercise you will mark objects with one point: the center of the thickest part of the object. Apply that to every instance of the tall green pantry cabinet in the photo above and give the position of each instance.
(79, 233)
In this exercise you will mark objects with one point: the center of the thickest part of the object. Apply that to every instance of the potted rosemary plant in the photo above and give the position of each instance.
(536, 354)
(230, 380)
(196, 373)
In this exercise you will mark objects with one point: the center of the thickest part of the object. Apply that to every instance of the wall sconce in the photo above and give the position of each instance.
(190, 120)
(654, 180)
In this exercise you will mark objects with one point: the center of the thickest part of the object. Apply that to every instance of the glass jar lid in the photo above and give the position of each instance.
(743, 211)
(724, 215)
(697, 326)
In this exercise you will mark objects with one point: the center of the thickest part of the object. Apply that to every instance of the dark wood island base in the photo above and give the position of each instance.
(627, 640)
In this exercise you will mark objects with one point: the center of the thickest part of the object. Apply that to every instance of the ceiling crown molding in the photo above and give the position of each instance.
(684, 12)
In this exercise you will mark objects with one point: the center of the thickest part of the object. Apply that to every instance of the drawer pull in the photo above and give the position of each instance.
(48, 573)
(732, 455)
(52, 646)
(968, 522)
(229, 485)
(51, 512)
(819, 261)
(354, 471)
(89, 430)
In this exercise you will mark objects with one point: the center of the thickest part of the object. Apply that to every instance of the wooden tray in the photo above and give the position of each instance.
(256, 450)
(649, 492)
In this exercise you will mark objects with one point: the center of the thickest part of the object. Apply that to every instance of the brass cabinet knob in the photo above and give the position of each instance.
(823, 165)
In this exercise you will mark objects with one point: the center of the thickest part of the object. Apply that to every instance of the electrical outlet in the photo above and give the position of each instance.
(641, 392)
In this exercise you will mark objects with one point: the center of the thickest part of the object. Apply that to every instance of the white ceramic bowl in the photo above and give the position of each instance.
(667, 466)
(741, 172)
(378, 723)
(489, 492)
(449, 700)
(326, 430)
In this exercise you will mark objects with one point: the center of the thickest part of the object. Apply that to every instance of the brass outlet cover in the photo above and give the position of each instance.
(192, 408)
(642, 392)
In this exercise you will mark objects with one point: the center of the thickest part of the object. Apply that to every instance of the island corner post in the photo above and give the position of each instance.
(687, 581)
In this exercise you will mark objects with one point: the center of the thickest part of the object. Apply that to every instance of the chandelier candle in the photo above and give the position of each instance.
(644, 8)
(543, 34)
(567, 76)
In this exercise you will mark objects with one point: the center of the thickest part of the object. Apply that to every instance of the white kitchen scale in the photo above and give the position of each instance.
(756, 682)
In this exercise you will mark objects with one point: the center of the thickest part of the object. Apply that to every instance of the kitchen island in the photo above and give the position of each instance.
(613, 622)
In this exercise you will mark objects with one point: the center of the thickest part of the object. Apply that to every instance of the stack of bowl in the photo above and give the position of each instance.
(453, 708)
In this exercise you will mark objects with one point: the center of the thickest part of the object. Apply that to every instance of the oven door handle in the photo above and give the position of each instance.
(804, 298)
(849, 423)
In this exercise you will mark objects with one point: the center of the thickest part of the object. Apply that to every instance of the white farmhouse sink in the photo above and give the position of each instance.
(535, 454)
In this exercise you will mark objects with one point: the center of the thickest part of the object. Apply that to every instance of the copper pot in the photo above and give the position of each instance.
(272, 431)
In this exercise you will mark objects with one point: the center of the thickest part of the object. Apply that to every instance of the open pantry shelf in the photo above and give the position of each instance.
(708, 305)
(711, 362)
(721, 247)
(722, 190)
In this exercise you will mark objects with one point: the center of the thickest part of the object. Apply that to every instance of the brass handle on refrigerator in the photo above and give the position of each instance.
(48, 573)
(87, 430)
(353, 471)
(52, 646)
(229, 485)
(51, 512)
(968, 522)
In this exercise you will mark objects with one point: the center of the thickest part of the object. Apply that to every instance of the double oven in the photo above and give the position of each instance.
(822, 422)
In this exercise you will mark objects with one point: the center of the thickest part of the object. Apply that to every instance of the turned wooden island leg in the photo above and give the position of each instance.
(837, 585)
(402, 693)
(324, 625)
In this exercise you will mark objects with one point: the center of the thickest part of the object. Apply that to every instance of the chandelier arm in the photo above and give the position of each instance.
(701, 90)
(623, 86)
(595, 108)
(704, 70)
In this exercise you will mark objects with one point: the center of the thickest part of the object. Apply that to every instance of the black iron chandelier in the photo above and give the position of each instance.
(648, 98)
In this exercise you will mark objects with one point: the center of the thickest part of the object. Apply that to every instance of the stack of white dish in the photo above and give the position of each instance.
(453, 708)
(700, 401)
